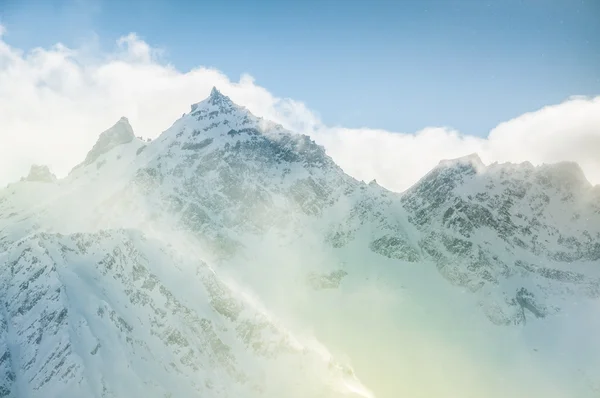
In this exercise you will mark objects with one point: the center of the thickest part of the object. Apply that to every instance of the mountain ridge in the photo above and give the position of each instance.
(122, 132)
(264, 215)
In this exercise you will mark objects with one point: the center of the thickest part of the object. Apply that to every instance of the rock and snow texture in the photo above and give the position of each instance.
(120, 133)
(536, 230)
(107, 314)
(40, 173)
(229, 257)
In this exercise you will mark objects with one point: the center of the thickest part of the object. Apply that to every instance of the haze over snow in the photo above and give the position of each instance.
(231, 257)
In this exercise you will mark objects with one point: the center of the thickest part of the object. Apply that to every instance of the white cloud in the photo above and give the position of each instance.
(54, 102)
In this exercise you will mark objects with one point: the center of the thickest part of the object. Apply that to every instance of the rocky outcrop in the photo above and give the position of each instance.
(40, 173)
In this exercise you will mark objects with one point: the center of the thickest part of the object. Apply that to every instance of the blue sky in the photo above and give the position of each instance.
(396, 65)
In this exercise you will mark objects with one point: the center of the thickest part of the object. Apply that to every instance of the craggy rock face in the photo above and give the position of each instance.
(120, 133)
(481, 223)
(144, 321)
(122, 281)
(39, 173)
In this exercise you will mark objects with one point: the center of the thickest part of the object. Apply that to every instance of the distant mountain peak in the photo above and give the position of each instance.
(471, 160)
(565, 173)
(469, 164)
(40, 173)
(120, 133)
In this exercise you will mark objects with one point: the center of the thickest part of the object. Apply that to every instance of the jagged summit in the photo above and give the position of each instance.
(451, 170)
(556, 174)
(564, 173)
(120, 133)
(40, 173)
(563, 176)
(469, 160)
(215, 99)
(215, 94)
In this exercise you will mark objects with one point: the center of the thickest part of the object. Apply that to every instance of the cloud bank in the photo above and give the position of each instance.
(55, 101)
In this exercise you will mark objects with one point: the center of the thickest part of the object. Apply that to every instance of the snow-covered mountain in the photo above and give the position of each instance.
(232, 258)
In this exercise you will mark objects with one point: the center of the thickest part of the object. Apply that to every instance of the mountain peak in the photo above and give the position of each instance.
(471, 162)
(40, 173)
(472, 159)
(564, 173)
(215, 92)
(120, 133)
(216, 98)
